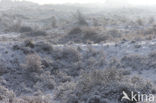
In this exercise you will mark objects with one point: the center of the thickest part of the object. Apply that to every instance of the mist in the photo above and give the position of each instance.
(131, 2)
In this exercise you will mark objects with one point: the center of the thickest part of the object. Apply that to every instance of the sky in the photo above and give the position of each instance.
(134, 2)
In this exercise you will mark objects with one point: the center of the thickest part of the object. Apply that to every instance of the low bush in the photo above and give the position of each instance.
(3, 68)
(67, 54)
(139, 62)
(43, 46)
(114, 33)
(76, 30)
(101, 85)
(6, 96)
(33, 63)
(46, 82)
(36, 33)
(29, 43)
(25, 29)
(83, 35)
(32, 99)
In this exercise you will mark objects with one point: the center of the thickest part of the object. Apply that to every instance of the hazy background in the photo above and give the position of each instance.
(133, 2)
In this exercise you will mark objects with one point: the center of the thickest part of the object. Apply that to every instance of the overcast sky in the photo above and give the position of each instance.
(138, 2)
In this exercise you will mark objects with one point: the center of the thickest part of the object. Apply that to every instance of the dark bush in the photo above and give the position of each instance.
(37, 33)
(76, 30)
(81, 19)
(25, 29)
(29, 43)
(42, 46)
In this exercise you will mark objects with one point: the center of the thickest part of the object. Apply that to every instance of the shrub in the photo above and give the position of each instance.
(92, 34)
(16, 26)
(37, 33)
(80, 19)
(140, 22)
(26, 48)
(98, 86)
(33, 63)
(85, 34)
(67, 60)
(99, 77)
(139, 62)
(3, 68)
(76, 30)
(67, 54)
(151, 20)
(89, 32)
(54, 22)
(32, 99)
(150, 31)
(43, 46)
(93, 58)
(154, 29)
(6, 96)
(95, 22)
(25, 29)
(136, 62)
(29, 43)
(114, 33)
(46, 82)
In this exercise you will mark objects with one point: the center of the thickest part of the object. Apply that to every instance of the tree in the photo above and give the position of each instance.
(54, 22)
(80, 18)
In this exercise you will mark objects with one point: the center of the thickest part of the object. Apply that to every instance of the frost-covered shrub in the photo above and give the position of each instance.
(93, 58)
(26, 47)
(44, 47)
(47, 63)
(72, 60)
(66, 59)
(98, 86)
(84, 34)
(75, 30)
(29, 43)
(36, 33)
(98, 77)
(151, 20)
(33, 63)
(150, 30)
(63, 91)
(33, 99)
(46, 82)
(62, 77)
(39, 79)
(140, 22)
(14, 26)
(25, 29)
(89, 32)
(152, 55)
(54, 22)
(68, 54)
(114, 33)
(92, 34)
(6, 96)
(136, 62)
(140, 62)
(26, 50)
(3, 68)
